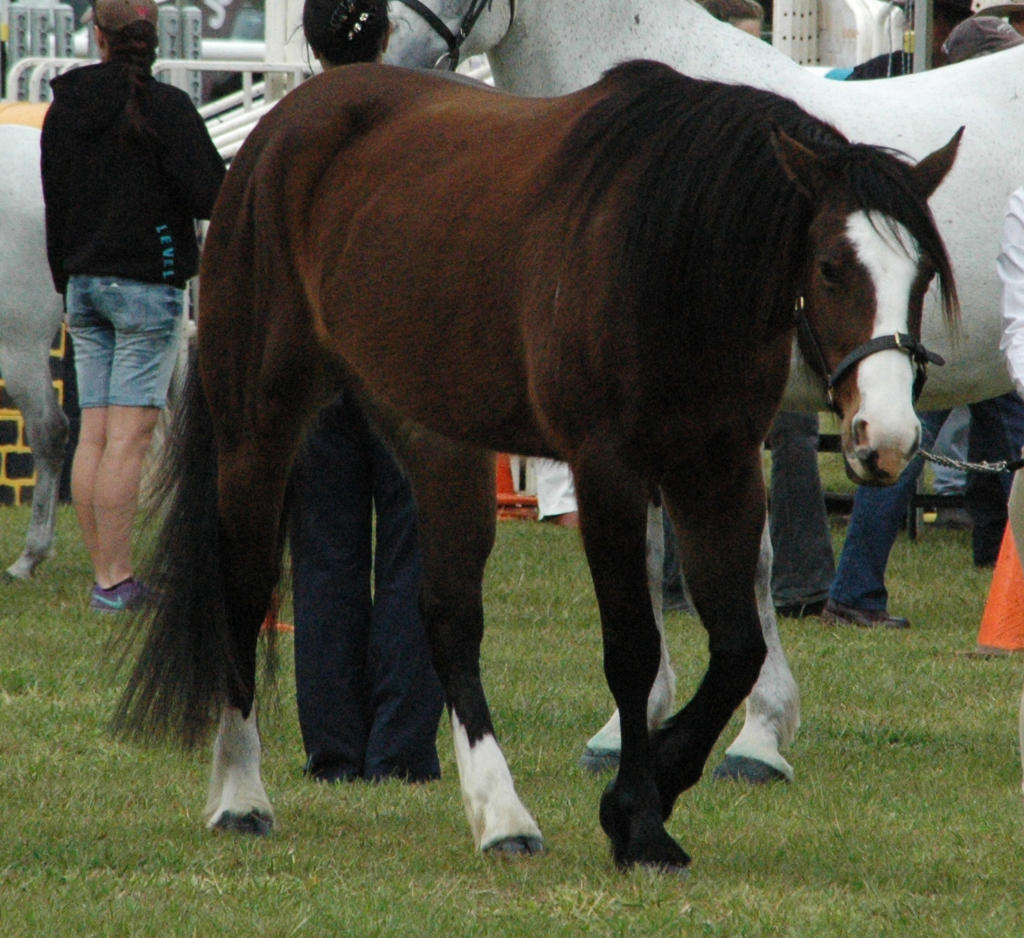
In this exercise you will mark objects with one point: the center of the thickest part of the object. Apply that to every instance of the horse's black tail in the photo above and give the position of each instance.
(186, 665)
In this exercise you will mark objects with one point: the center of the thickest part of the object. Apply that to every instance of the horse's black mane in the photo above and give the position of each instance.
(716, 226)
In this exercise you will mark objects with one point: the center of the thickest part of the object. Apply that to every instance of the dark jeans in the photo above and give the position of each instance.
(368, 698)
(997, 432)
(804, 563)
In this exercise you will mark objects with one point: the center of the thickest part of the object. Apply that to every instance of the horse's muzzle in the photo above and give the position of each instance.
(880, 464)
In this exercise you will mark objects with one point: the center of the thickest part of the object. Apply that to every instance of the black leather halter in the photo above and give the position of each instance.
(455, 40)
(901, 341)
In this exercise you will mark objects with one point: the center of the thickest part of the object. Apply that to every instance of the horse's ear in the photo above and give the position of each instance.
(802, 166)
(933, 168)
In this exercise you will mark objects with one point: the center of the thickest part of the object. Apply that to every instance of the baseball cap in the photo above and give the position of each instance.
(998, 8)
(112, 15)
(980, 35)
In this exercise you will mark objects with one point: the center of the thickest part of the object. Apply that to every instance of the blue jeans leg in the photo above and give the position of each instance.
(878, 514)
(952, 442)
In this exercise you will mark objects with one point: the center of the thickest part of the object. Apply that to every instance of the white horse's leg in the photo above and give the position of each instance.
(497, 818)
(773, 707)
(27, 378)
(237, 800)
(602, 749)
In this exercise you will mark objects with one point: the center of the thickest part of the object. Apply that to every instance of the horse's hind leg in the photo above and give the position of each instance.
(773, 707)
(28, 382)
(252, 479)
(250, 521)
(237, 800)
(454, 489)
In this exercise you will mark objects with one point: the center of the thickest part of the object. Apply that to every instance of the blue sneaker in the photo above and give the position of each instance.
(128, 594)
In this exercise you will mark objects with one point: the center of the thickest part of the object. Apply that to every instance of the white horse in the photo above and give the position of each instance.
(549, 47)
(30, 314)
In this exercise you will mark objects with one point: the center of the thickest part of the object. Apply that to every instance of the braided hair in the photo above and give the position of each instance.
(344, 31)
(133, 47)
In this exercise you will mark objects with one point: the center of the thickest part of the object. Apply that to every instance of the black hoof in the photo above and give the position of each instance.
(254, 823)
(745, 769)
(599, 760)
(636, 843)
(522, 846)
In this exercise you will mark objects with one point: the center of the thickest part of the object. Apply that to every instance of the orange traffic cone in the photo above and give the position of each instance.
(512, 504)
(1002, 625)
(270, 620)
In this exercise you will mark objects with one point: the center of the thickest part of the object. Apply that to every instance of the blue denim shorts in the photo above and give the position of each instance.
(125, 336)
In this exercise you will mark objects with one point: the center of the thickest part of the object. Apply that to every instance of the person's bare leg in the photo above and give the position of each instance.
(115, 493)
(92, 440)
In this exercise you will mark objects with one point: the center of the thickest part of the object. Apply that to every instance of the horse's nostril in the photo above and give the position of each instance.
(859, 432)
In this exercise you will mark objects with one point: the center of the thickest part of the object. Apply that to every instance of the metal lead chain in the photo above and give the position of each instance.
(1004, 465)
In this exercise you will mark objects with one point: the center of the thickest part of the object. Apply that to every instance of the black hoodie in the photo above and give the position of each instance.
(117, 203)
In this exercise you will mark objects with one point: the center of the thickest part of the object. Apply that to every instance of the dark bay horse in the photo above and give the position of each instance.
(613, 277)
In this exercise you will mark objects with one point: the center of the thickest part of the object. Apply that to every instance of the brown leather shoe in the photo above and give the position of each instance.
(837, 614)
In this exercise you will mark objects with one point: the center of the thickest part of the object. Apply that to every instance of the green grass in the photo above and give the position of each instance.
(905, 816)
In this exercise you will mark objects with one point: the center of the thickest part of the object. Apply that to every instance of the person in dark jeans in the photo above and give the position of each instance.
(369, 700)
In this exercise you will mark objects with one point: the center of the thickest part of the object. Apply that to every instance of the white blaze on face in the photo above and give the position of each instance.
(885, 379)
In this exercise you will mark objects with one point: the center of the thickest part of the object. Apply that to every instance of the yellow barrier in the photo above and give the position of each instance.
(29, 113)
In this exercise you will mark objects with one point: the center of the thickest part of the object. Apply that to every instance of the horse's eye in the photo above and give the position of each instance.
(829, 273)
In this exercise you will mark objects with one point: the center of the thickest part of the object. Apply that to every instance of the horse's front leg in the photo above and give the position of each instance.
(454, 489)
(773, 707)
(602, 749)
(719, 517)
(772, 712)
(613, 515)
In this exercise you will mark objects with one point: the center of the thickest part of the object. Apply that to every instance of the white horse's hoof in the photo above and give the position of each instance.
(254, 822)
(521, 846)
(22, 569)
(751, 771)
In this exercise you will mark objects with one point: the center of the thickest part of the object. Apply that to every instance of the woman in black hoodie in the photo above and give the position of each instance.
(128, 167)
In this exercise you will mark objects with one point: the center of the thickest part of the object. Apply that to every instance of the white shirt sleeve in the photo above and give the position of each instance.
(1010, 265)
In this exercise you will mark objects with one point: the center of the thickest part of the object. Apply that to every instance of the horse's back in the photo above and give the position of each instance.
(389, 207)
